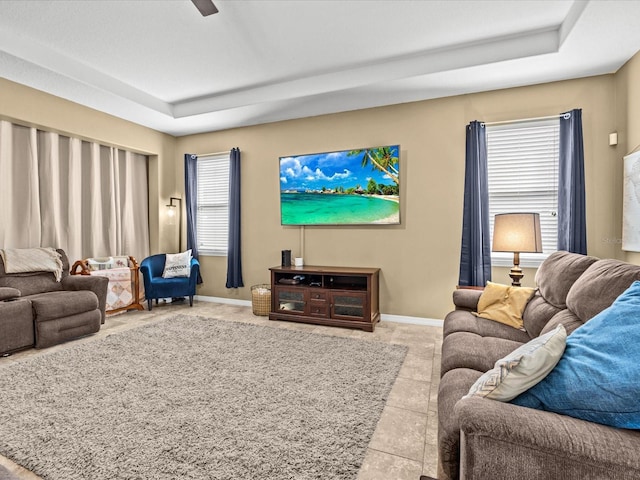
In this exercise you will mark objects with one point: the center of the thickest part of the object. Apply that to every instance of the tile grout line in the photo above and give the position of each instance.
(394, 455)
(431, 386)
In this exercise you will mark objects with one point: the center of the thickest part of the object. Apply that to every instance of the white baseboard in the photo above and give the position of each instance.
(428, 322)
(229, 301)
(385, 317)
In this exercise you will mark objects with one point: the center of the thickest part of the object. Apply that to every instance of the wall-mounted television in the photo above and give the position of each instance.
(347, 187)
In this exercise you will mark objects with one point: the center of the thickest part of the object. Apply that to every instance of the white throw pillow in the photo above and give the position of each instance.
(177, 265)
(521, 369)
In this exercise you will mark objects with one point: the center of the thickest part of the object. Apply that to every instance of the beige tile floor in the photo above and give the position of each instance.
(403, 446)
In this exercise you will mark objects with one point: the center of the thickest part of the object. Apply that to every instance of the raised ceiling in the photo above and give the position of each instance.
(161, 64)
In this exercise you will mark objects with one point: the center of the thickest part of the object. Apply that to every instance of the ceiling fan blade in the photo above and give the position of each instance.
(206, 7)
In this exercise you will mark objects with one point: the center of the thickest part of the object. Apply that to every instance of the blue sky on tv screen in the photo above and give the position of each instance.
(330, 170)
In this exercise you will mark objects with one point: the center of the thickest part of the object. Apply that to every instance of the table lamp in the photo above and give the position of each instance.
(517, 233)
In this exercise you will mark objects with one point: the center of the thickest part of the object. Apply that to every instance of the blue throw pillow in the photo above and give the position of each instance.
(598, 377)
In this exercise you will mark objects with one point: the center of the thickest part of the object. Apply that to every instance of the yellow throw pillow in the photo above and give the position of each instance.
(504, 304)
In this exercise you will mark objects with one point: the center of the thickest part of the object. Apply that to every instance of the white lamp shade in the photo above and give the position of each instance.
(171, 214)
(517, 232)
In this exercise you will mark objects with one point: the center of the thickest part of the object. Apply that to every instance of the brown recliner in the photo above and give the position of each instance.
(16, 321)
(58, 311)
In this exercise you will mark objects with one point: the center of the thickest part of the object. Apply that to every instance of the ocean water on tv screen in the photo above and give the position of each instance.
(333, 209)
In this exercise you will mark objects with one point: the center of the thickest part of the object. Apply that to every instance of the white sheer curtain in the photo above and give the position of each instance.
(19, 211)
(88, 199)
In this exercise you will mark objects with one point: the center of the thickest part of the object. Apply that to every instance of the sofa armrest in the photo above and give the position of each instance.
(531, 444)
(96, 284)
(9, 293)
(466, 299)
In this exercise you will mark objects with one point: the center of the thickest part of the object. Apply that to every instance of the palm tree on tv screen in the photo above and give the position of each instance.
(381, 158)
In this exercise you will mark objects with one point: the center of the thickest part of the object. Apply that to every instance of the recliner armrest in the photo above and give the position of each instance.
(497, 436)
(8, 293)
(97, 284)
(466, 299)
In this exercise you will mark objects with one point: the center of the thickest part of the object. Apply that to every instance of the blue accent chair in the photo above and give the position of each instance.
(155, 286)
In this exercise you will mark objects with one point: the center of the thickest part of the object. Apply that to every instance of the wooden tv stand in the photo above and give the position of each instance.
(335, 296)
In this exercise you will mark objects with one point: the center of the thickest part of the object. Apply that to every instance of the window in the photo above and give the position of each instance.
(522, 163)
(213, 205)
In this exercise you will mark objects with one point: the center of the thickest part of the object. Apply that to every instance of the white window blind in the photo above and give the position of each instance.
(522, 163)
(213, 204)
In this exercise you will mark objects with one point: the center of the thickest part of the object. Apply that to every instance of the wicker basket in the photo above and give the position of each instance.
(261, 299)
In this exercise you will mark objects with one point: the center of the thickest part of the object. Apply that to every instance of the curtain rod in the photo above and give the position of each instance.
(211, 154)
(520, 120)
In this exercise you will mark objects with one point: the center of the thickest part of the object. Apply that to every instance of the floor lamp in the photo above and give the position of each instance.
(174, 211)
(517, 233)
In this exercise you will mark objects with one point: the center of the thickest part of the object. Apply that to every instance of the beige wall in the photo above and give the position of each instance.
(628, 126)
(31, 107)
(419, 258)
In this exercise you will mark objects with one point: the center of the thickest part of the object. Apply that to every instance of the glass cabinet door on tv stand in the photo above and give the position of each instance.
(291, 300)
(348, 305)
(337, 296)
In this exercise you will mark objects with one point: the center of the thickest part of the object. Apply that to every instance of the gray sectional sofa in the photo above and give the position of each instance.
(480, 438)
(36, 310)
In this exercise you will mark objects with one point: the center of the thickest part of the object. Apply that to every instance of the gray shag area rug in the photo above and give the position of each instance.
(197, 398)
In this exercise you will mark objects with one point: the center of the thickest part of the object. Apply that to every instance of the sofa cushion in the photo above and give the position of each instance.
(537, 314)
(464, 321)
(468, 350)
(522, 368)
(52, 305)
(34, 282)
(31, 283)
(566, 318)
(599, 286)
(504, 303)
(597, 377)
(558, 273)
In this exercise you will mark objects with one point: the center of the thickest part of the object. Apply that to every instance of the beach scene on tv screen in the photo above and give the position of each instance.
(348, 187)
